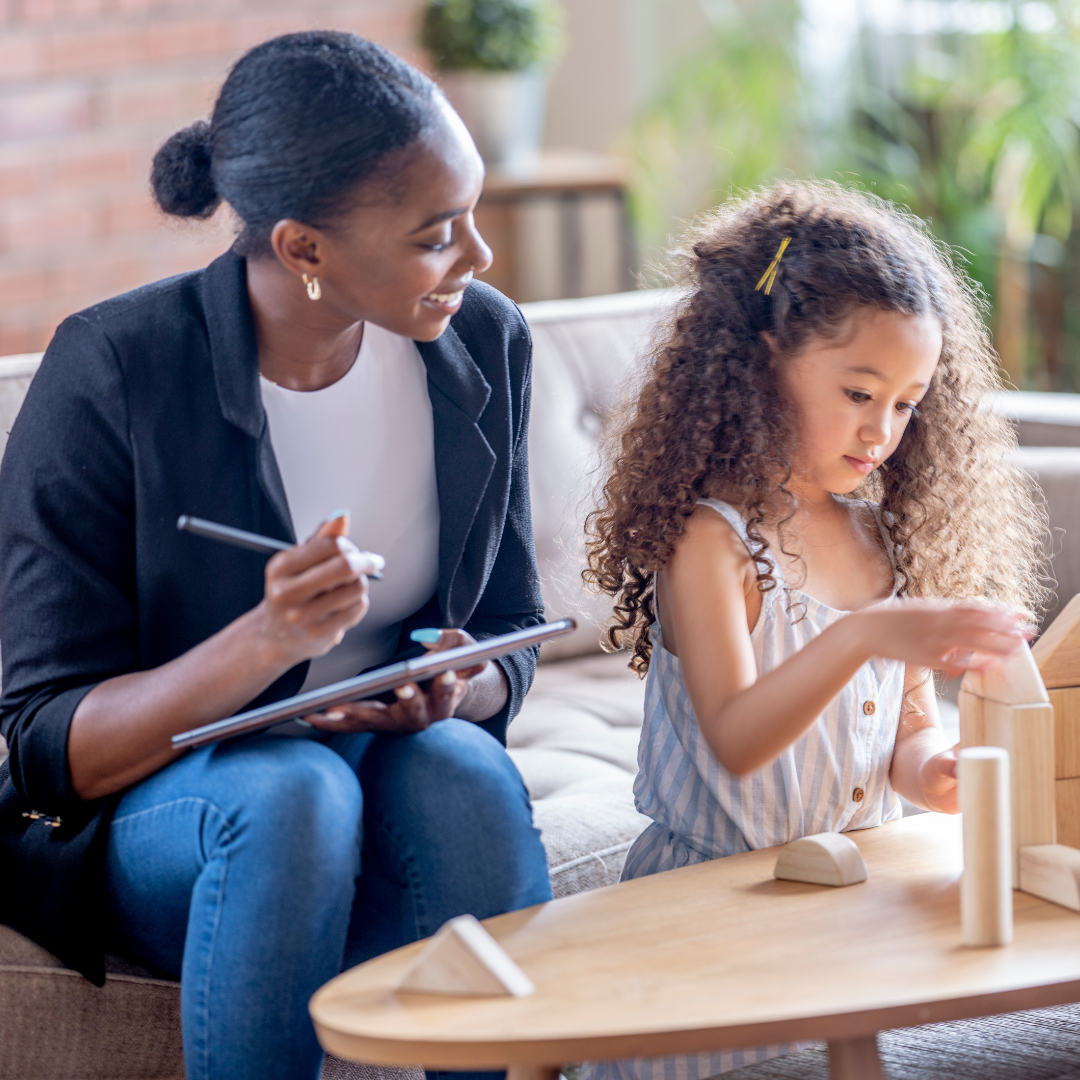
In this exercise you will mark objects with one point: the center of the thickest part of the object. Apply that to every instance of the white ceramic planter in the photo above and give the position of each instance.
(504, 111)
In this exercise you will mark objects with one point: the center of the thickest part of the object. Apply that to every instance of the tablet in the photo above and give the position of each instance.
(372, 683)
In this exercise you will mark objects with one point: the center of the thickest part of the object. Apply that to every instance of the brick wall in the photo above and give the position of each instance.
(88, 90)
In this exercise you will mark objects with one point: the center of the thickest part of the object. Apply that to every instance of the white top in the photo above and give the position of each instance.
(833, 778)
(365, 444)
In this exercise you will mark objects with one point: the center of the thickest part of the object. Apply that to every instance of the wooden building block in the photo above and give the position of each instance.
(821, 859)
(972, 728)
(1066, 703)
(1057, 652)
(1052, 871)
(464, 959)
(986, 886)
(1015, 682)
(1009, 707)
(1027, 732)
(1067, 801)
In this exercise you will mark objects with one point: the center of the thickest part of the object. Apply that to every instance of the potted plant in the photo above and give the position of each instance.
(492, 57)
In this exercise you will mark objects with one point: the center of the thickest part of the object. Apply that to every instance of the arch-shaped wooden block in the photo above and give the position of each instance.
(822, 859)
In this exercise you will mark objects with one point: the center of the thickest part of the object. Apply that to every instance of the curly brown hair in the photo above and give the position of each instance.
(708, 422)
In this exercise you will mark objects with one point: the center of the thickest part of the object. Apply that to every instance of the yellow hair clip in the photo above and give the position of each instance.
(769, 276)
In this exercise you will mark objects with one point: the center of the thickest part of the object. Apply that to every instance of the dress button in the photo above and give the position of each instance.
(869, 708)
(858, 793)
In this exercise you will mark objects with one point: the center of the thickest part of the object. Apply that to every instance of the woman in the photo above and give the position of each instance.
(339, 356)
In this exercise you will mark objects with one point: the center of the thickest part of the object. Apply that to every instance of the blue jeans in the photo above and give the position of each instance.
(257, 869)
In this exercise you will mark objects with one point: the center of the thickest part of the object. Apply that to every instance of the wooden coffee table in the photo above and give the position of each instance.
(719, 956)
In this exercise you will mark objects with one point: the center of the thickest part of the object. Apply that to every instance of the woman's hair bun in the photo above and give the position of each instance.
(181, 178)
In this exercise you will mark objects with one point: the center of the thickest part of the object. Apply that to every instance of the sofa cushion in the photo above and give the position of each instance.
(54, 1025)
(583, 351)
(575, 744)
(1041, 419)
(1057, 471)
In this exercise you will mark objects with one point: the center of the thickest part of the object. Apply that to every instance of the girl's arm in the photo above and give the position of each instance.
(707, 589)
(924, 764)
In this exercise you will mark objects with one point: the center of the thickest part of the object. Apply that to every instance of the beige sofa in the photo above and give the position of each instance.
(575, 741)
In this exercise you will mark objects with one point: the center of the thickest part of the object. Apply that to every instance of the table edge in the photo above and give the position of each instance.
(815, 1028)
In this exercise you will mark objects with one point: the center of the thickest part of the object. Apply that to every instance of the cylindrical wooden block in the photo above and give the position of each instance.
(986, 913)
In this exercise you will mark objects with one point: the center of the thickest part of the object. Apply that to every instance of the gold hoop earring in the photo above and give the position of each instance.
(314, 289)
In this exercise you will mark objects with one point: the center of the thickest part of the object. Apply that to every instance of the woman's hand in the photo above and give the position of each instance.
(314, 593)
(943, 636)
(414, 709)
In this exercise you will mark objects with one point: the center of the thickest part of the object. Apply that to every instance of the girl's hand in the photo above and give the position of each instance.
(414, 709)
(937, 778)
(314, 593)
(943, 636)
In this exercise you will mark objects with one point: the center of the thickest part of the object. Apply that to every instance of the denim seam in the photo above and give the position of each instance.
(413, 881)
(211, 944)
(201, 994)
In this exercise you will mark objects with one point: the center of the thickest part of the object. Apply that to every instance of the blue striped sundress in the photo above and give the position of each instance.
(700, 811)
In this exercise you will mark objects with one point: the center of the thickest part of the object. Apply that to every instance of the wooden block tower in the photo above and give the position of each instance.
(1009, 708)
(1057, 654)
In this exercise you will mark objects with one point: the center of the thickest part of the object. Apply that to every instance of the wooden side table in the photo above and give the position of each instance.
(567, 178)
(722, 955)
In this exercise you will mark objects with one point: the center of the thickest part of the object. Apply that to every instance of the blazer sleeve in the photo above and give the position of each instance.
(67, 556)
(511, 599)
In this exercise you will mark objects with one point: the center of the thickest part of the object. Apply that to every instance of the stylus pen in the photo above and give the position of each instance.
(239, 537)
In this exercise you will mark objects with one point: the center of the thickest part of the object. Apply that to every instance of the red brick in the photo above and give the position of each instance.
(49, 11)
(93, 166)
(183, 39)
(17, 179)
(38, 10)
(142, 99)
(44, 224)
(96, 275)
(20, 56)
(49, 110)
(138, 6)
(18, 339)
(84, 51)
(138, 216)
(253, 29)
(22, 286)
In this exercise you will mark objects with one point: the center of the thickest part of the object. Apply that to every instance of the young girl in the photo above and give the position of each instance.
(807, 446)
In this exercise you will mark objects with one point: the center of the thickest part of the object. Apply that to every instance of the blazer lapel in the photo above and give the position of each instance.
(235, 357)
(464, 462)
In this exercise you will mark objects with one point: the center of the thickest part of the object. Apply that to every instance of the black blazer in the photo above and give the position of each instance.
(147, 407)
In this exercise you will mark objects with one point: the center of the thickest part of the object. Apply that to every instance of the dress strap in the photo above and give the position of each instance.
(730, 515)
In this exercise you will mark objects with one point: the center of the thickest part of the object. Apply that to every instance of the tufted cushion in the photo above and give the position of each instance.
(575, 744)
(583, 351)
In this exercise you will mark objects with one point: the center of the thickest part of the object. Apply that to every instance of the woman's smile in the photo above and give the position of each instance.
(447, 301)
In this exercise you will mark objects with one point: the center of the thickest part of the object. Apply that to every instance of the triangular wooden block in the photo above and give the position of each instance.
(821, 859)
(1057, 652)
(463, 958)
(1016, 682)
